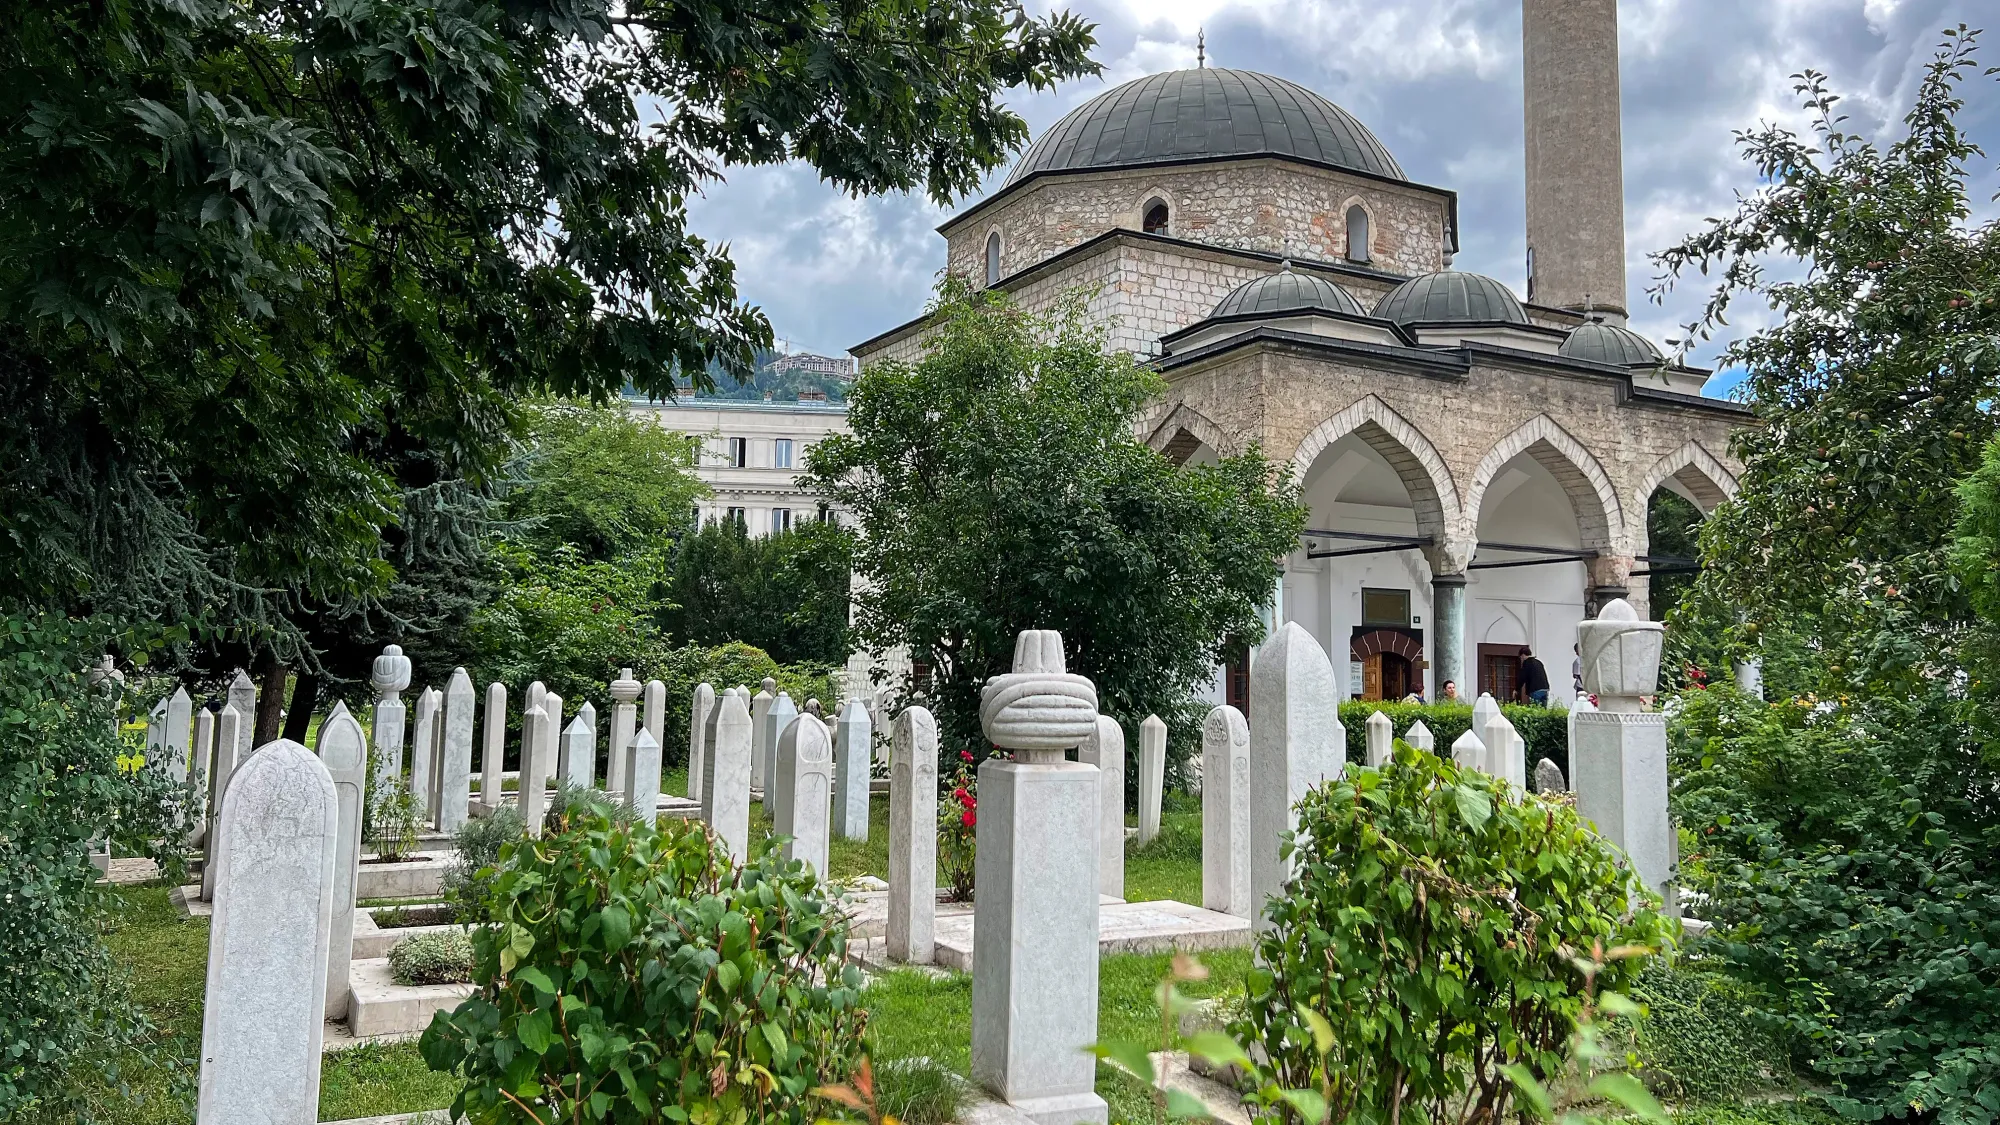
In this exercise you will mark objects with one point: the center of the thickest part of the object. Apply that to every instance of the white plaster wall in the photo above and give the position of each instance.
(1538, 606)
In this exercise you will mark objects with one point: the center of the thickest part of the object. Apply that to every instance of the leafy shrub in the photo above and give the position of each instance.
(1432, 932)
(1544, 729)
(444, 958)
(631, 975)
(571, 802)
(478, 848)
(730, 665)
(392, 819)
(1700, 1040)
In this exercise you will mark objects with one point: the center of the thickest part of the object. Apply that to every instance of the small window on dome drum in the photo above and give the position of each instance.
(993, 258)
(1156, 218)
(1357, 234)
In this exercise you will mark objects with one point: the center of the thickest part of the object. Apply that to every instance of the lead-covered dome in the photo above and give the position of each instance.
(1205, 113)
(1448, 297)
(1287, 291)
(1599, 342)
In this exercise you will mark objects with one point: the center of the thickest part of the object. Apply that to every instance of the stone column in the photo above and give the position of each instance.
(263, 1018)
(1106, 751)
(1225, 814)
(776, 721)
(579, 752)
(229, 727)
(1296, 742)
(704, 702)
(1448, 633)
(725, 801)
(532, 798)
(1152, 776)
(1034, 950)
(493, 761)
(1485, 721)
(343, 750)
(1420, 737)
(1619, 763)
(180, 713)
(805, 787)
(1381, 739)
(760, 709)
(423, 743)
(644, 796)
(455, 765)
(625, 692)
(708, 740)
(389, 678)
(548, 756)
(1609, 579)
(853, 740)
(243, 696)
(913, 794)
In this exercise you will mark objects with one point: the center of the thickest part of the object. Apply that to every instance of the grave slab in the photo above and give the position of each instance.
(377, 1005)
(1122, 927)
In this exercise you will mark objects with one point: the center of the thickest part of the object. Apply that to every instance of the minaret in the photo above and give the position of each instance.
(1576, 181)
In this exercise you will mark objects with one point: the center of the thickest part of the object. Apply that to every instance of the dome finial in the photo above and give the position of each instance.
(1200, 48)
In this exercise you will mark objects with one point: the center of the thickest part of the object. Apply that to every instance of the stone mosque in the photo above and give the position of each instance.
(1478, 464)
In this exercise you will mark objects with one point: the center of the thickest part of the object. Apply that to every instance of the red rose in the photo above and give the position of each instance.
(960, 795)
(965, 755)
(968, 819)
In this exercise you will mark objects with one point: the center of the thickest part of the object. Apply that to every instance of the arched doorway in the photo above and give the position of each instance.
(1391, 663)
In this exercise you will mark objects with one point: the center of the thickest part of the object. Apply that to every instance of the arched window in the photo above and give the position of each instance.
(1357, 234)
(1156, 217)
(993, 258)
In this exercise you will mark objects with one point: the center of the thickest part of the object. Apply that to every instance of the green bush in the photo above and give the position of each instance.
(1700, 1040)
(444, 958)
(1432, 929)
(1544, 729)
(732, 665)
(392, 819)
(478, 849)
(632, 976)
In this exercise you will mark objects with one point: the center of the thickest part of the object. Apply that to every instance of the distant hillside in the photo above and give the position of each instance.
(785, 377)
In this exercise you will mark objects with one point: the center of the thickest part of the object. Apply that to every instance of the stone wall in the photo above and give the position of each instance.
(1273, 206)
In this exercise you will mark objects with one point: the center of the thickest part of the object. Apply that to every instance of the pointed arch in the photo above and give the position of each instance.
(1184, 430)
(1695, 469)
(1600, 519)
(1415, 460)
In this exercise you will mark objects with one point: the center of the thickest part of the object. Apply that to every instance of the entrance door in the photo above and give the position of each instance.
(1500, 670)
(1396, 676)
(1371, 677)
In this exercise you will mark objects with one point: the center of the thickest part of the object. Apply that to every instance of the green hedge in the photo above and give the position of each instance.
(1544, 729)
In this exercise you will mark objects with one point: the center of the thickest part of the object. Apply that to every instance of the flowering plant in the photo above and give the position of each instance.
(958, 827)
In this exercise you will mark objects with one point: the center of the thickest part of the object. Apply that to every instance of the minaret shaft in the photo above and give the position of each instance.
(1576, 183)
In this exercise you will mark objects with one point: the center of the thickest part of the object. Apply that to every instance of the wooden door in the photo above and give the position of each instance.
(1500, 670)
(1371, 677)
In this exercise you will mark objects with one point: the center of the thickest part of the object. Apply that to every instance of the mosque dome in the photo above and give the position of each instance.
(1450, 296)
(1202, 114)
(1607, 343)
(1288, 291)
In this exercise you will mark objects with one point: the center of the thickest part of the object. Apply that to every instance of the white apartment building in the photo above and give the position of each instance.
(752, 452)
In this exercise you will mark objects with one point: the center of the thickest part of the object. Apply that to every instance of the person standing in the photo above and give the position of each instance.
(1534, 679)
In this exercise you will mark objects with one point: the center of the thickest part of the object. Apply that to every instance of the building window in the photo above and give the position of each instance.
(781, 453)
(781, 519)
(1385, 607)
(736, 517)
(739, 452)
(1155, 221)
(826, 513)
(1531, 275)
(993, 258)
(1357, 234)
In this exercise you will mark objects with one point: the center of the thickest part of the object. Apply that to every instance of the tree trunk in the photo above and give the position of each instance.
(270, 702)
(305, 697)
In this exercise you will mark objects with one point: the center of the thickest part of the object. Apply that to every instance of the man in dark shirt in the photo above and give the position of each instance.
(1534, 679)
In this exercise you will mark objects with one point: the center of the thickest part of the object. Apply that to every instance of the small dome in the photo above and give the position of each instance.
(1205, 113)
(1449, 296)
(1599, 342)
(1287, 291)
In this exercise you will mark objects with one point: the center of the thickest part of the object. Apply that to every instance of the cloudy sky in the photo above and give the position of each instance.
(1439, 81)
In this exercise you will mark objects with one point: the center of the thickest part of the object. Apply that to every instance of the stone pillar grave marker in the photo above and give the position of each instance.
(625, 693)
(913, 796)
(391, 675)
(263, 1019)
(760, 709)
(644, 796)
(853, 742)
(1034, 979)
(578, 754)
(1296, 742)
(228, 739)
(1381, 739)
(1106, 751)
(455, 764)
(725, 801)
(704, 702)
(532, 797)
(343, 750)
(1468, 752)
(1420, 737)
(655, 717)
(179, 714)
(548, 756)
(493, 758)
(1485, 717)
(805, 785)
(1152, 776)
(1619, 765)
(1548, 777)
(423, 758)
(777, 719)
(1225, 814)
(204, 754)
